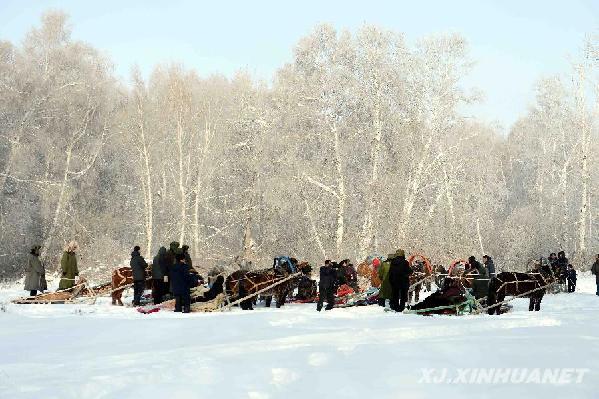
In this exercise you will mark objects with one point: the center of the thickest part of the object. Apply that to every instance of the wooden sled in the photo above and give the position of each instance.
(77, 294)
(210, 306)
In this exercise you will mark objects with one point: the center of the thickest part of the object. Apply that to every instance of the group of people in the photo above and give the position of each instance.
(563, 270)
(393, 274)
(332, 276)
(560, 267)
(172, 275)
(35, 278)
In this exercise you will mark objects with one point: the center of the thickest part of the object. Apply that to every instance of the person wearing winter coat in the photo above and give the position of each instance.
(159, 270)
(35, 280)
(326, 286)
(562, 267)
(490, 265)
(399, 279)
(68, 266)
(138, 268)
(181, 284)
(571, 277)
(185, 249)
(171, 260)
(385, 292)
(480, 282)
(595, 271)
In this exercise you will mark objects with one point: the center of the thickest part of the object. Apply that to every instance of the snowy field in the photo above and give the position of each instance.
(101, 351)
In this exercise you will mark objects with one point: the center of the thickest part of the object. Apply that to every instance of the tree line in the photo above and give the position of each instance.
(357, 146)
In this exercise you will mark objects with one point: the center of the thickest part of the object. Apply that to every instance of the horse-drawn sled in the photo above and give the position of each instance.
(81, 292)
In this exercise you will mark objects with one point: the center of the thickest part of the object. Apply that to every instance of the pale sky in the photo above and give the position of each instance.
(514, 43)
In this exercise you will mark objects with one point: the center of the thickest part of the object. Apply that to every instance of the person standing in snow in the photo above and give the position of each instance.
(68, 266)
(181, 283)
(595, 271)
(562, 267)
(480, 283)
(571, 277)
(159, 269)
(385, 292)
(490, 265)
(399, 279)
(326, 286)
(138, 268)
(36, 274)
(170, 261)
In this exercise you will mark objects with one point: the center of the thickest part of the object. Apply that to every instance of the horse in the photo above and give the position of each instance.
(367, 272)
(513, 284)
(242, 284)
(422, 269)
(122, 277)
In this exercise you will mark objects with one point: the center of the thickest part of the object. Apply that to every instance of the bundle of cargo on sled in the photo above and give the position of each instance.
(81, 292)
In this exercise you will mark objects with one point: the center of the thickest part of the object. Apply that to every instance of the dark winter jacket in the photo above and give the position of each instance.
(160, 265)
(188, 260)
(480, 283)
(138, 266)
(399, 272)
(572, 276)
(327, 277)
(180, 279)
(36, 275)
(562, 264)
(490, 266)
(68, 265)
(595, 269)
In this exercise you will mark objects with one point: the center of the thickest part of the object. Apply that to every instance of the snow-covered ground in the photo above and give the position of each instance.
(101, 351)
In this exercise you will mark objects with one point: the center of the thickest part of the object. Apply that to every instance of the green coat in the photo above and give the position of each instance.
(68, 264)
(385, 290)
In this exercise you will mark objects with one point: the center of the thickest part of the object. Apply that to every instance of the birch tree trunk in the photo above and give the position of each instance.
(49, 241)
(182, 190)
(148, 192)
(341, 196)
(368, 233)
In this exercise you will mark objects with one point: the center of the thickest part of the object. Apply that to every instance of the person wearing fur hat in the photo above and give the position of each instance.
(138, 268)
(68, 266)
(36, 274)
(185, 249)
(399, 278)
(181, 283)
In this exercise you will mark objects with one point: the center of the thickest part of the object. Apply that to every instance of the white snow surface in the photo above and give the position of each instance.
(103, 351)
